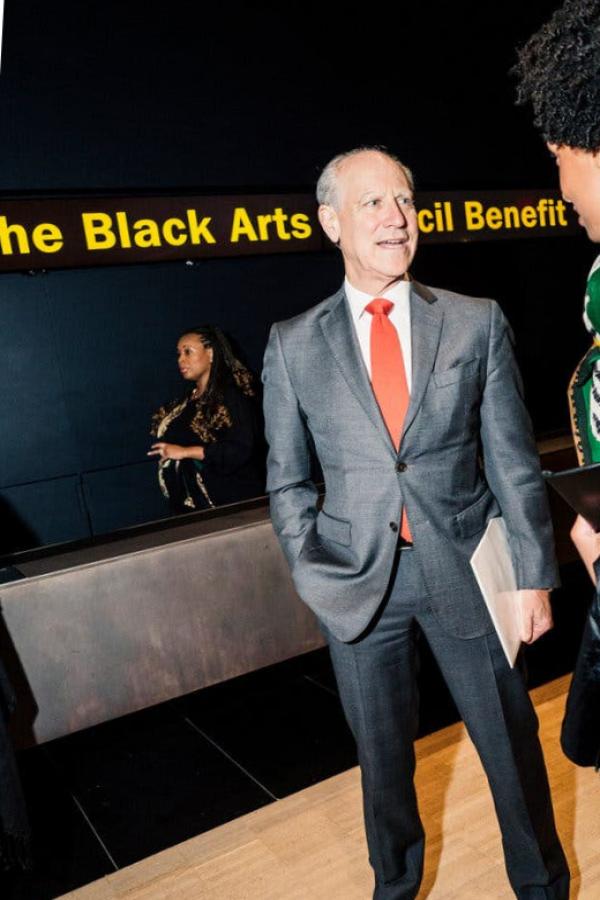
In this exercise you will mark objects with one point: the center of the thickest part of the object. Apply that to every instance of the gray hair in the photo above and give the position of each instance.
(327, 183)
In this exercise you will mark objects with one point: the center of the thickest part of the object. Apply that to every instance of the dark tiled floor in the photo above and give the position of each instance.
(114, 794)
(286, 745)
(151, 782)
(66, 850)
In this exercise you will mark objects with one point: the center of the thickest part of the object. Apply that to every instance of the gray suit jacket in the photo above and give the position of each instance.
(467, 454)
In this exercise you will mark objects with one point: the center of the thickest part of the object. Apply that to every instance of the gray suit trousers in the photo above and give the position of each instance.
(376, 675)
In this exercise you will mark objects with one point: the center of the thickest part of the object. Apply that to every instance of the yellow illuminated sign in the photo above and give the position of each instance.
(79, 231)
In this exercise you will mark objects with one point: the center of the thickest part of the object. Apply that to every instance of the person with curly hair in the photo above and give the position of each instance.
(208, 440)
(559, 74)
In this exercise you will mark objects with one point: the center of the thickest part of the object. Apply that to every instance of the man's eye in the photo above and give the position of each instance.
(372, 202)
(406, 202)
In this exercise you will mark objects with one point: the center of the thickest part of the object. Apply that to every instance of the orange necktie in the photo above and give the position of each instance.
(388, 378)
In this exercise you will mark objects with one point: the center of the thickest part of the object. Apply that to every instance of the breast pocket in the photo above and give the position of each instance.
(457, 374)
(453, 398)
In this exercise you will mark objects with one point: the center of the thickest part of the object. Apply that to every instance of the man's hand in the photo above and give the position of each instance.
(536, 614)
(587, 542)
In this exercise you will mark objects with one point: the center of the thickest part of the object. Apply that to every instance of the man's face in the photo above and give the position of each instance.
(579, 173)
(374, 220)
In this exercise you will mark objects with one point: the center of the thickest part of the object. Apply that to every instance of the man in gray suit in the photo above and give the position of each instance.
(410, 485)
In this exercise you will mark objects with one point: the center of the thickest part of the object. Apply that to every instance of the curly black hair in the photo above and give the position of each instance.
(225, 366)
(211, 412)
(559, 72)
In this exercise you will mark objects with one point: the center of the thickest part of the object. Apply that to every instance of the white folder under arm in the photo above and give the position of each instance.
(493, 568)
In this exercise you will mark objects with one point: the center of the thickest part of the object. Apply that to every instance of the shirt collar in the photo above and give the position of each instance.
(398, 293)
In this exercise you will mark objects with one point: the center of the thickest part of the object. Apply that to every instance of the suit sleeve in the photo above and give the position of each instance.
(293, 494)
(511, 462)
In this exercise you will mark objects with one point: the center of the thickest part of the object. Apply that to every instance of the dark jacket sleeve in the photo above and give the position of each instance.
(235, 445)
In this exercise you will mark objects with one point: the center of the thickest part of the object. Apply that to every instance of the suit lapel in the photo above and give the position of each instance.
(426, 319)
(341, 337)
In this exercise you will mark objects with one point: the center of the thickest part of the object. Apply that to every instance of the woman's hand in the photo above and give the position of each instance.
(175, 451)
(587, 542)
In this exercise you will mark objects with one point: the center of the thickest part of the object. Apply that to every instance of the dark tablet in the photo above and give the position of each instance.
(580, 487)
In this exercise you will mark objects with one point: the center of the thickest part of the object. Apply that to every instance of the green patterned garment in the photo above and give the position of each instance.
(584, 389)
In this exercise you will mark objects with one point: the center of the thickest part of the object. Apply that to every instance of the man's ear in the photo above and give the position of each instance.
(329, 222)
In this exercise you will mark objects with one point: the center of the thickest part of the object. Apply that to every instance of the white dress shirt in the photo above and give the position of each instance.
(399, 316)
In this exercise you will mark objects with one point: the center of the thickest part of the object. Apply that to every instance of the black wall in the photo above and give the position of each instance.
(149, 96)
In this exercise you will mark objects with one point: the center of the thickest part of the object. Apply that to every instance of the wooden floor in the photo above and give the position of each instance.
(311, 846)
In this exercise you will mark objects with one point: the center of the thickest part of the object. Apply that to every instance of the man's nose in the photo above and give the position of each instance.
(396, 215)
(564, 187)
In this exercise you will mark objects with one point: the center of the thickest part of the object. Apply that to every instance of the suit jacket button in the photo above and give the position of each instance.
(401, 467)
(393, 526)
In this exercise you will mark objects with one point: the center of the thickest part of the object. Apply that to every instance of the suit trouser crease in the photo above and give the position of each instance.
(377, 680)
(408, 829)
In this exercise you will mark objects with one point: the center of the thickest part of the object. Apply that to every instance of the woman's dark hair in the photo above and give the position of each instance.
(225, 368)
(559, 73)
(211, 413)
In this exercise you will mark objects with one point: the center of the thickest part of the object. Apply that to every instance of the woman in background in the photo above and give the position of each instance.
(208, 441)
(559, 71)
